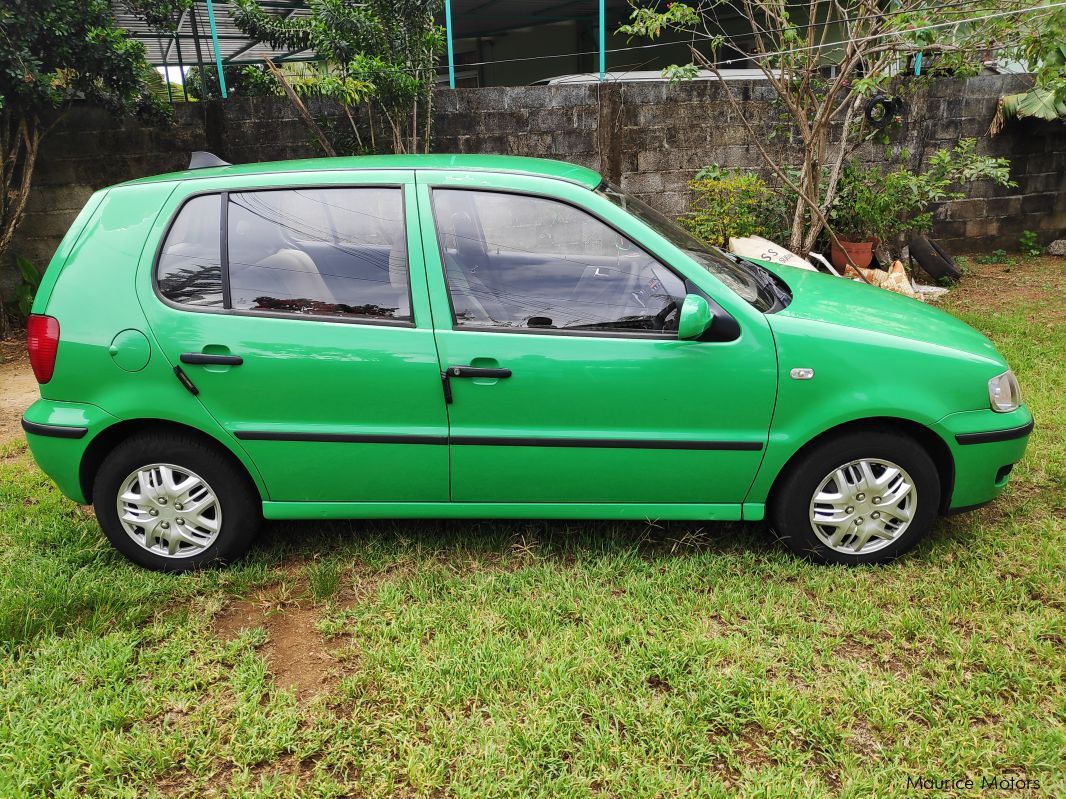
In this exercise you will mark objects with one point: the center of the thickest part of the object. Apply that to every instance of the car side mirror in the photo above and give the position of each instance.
(696, 317)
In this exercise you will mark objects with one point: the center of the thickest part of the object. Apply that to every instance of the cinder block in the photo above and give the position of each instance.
(1038, 203)
(643, 182)
(570, 96)
(503, 122)
(569, 142)
(1002, 206)
(552, 119)
(946, 229)
(981, 228)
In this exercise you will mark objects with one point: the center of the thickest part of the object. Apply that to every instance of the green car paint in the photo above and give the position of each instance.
(351, 420)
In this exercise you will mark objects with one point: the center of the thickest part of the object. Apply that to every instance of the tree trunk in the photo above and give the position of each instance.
(414, 127)
(301, 109)
(20, 139)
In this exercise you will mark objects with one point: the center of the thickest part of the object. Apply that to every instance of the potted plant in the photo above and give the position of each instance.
(858, 216)
(874, 205)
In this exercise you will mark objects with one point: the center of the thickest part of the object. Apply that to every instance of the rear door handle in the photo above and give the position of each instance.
(477, 371)
(203, 358)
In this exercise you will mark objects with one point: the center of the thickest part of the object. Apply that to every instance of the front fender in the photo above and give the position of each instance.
(863, 375)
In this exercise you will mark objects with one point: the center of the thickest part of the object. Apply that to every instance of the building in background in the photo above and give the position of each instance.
(494, 42)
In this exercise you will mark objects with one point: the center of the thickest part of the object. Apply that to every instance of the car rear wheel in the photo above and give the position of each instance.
(861, 497)
(173, 503)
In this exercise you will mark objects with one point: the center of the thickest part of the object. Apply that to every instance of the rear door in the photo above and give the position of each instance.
(299, 313)
(558, 332)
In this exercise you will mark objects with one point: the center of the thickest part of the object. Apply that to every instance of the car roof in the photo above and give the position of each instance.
(541, 167)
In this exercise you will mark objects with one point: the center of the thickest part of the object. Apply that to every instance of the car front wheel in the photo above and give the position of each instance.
(173, 503)
(861, 497)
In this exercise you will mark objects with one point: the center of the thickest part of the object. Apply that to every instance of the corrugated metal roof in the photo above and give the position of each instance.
(194, 29)
(470, 18)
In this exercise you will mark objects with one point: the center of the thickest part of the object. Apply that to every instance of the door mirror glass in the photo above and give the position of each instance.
(696, 317)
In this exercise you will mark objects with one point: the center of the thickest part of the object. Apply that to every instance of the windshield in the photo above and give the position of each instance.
(753, 283)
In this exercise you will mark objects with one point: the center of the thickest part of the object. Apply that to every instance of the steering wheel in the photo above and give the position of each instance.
(659, 323)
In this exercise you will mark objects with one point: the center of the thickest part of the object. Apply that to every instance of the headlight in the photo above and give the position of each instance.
(1004, 393)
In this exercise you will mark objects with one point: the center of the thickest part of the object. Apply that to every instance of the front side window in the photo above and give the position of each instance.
(523, 262)
(190, 264)
(331, 252)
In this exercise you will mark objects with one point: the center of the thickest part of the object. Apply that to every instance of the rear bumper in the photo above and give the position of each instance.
(58, 434)
(984, 445)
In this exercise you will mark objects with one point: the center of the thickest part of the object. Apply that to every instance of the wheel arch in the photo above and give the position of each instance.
(109, 438)
(929, 440)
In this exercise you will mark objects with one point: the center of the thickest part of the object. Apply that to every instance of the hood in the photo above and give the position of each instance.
(849, 303)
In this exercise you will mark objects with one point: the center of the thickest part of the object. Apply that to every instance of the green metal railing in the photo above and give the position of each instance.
(448, 31)
(218, 52)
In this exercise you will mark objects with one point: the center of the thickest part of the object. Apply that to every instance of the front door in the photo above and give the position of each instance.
(567, 380)
(300, 316)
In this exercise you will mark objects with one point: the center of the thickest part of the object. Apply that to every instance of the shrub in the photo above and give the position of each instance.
(727, 203)
(1029, 244)
(874, 204)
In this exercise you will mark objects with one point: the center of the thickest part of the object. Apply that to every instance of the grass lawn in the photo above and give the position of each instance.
(555, 660)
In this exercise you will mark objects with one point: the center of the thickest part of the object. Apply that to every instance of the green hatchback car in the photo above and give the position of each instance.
(485, 336)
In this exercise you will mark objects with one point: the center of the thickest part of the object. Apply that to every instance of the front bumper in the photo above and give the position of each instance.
(58, 434)
(984, 446)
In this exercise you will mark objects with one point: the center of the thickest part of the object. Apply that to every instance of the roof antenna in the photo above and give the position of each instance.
(201, 159)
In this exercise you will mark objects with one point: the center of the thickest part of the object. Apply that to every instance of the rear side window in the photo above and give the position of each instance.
(337, 252)
(190, 264)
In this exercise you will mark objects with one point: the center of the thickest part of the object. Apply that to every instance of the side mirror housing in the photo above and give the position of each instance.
(696, 317)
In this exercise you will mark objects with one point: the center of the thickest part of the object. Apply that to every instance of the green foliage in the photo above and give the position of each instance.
(650, 22)
(323, 578)
(1036, 103)
(161, 15)
(29, 282)
(676, 73)
(248, 80)
(52, 52)
(994, 257)
(1044, 50)
(872, 203)
(821, 112)
(378, 56)
(1029, 244)
(728, 203)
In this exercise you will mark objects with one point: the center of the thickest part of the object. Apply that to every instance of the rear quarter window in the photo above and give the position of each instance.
(190, 263)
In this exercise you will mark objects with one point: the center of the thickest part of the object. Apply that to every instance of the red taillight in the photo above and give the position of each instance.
(42, 340)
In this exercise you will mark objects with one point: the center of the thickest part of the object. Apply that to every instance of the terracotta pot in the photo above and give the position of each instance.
(860, 252)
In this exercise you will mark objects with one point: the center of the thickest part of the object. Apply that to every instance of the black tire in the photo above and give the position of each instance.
(932, 258)
(790, 506)
(237, 499)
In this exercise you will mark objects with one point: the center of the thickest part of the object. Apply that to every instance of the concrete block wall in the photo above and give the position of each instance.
(650, 138)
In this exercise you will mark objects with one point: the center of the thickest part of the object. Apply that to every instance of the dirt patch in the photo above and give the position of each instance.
(298, 656)
(897, 661)
(1032, 282)
(18, 389)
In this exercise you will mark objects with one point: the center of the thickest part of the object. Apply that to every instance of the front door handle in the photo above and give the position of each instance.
(477, 371)
(204, 358)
